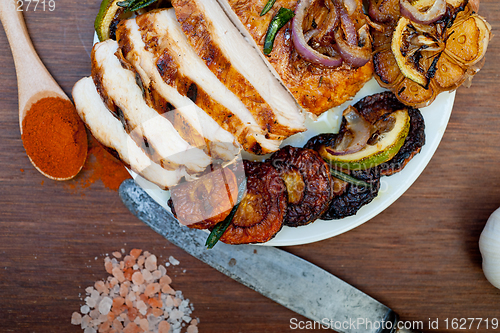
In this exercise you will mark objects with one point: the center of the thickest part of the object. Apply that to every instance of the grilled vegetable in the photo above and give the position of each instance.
(387, 144)
(419, 61)
(261, 211)
(308, 184)
(105, 20)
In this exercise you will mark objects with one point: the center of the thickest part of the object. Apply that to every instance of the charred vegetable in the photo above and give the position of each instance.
(106, 20)
(418, 61)
(308, 184)
(261, 211)
(208, 200)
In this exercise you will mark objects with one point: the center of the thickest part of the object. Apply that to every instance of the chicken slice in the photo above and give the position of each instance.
(158, 50)
(192, 123)
(141, 121)
(109, 131)
(238, 65)
(316, 88)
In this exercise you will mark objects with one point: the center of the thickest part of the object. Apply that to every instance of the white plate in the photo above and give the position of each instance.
(391, 188)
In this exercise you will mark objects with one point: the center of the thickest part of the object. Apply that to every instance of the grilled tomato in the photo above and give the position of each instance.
(206, 201)
(261, 211)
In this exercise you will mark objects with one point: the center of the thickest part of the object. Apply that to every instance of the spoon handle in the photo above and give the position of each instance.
(33, 79)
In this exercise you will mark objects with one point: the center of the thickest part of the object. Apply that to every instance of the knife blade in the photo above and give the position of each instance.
(272, 272)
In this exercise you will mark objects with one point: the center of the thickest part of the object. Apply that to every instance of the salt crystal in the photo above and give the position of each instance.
(167, 289)
(117, 254)
(137, 321)
(177, 301)
(173, 261)
(118, 274)
(187, 319)
(131, 328)
(148, 277)
(165, 280)
(90, 302)
(88, 290)
(152, 289)
(105, 305)
(194, 322)
(157, 275)
(142, 307)
(140, 260)
(89, 330)
(192, 329)
(123, 290)
(137, 278)
(144, 324)
(100, 286)
(123, 251)
(84, 309)
(76, 318)
(169, 301)
(147, 254)
(150, 263)
(131, 296)
(135, 267)
(176, 314)
(85, 321)
(94, 314)
(162, 269)
(164, 327)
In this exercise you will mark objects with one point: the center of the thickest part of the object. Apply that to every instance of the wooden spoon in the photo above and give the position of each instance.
(33, 79)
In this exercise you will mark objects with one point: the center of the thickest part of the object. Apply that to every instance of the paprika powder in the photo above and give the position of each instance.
(55, 138)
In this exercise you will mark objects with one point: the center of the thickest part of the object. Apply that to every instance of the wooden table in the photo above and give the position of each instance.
(420, 256)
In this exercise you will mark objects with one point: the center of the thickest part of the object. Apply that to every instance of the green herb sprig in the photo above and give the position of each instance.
(221, 227)
(279, 20)
(267, 7)
(133, 5)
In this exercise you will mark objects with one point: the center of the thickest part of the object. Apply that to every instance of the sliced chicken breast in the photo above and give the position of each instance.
(192, 123)
(109, 131)
(316, 88)
(239, 66)
(143, 123)
(158, 50)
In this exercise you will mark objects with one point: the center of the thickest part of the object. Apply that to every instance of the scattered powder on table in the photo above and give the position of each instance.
(100, 165)
(136, 297)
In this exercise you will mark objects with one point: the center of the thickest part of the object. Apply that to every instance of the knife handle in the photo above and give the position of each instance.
(393, 318)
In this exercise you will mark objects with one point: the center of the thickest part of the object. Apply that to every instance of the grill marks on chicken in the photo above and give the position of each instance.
(171, 99)
(109, 131)
(156, 46)
(239, 66)
(167, 146)
(316, 88)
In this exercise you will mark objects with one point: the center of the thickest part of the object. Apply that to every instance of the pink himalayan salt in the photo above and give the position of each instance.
(137, 278)
(76, 318)
(131, 328)
(167, 289)
(163, 327)
(192, 329)
(150, 263)
(152, 289)
(118, 274)
(117, 255)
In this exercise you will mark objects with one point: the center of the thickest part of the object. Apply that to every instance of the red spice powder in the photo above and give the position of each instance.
(54, 137)
(100, 165)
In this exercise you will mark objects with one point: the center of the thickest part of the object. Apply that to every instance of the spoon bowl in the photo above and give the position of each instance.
(33, 79)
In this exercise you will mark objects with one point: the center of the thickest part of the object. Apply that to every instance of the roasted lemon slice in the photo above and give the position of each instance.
(107, 16)
(386, 146)
(419, 61)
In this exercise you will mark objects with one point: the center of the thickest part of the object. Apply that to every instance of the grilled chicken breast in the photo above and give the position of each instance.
(158, 50)
(238, 66)
(192, 123)
(143, 123)
(316, 88)
(109, 131)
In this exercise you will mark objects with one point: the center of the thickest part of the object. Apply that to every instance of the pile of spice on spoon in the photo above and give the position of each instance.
(55, 138)
(136, 297)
